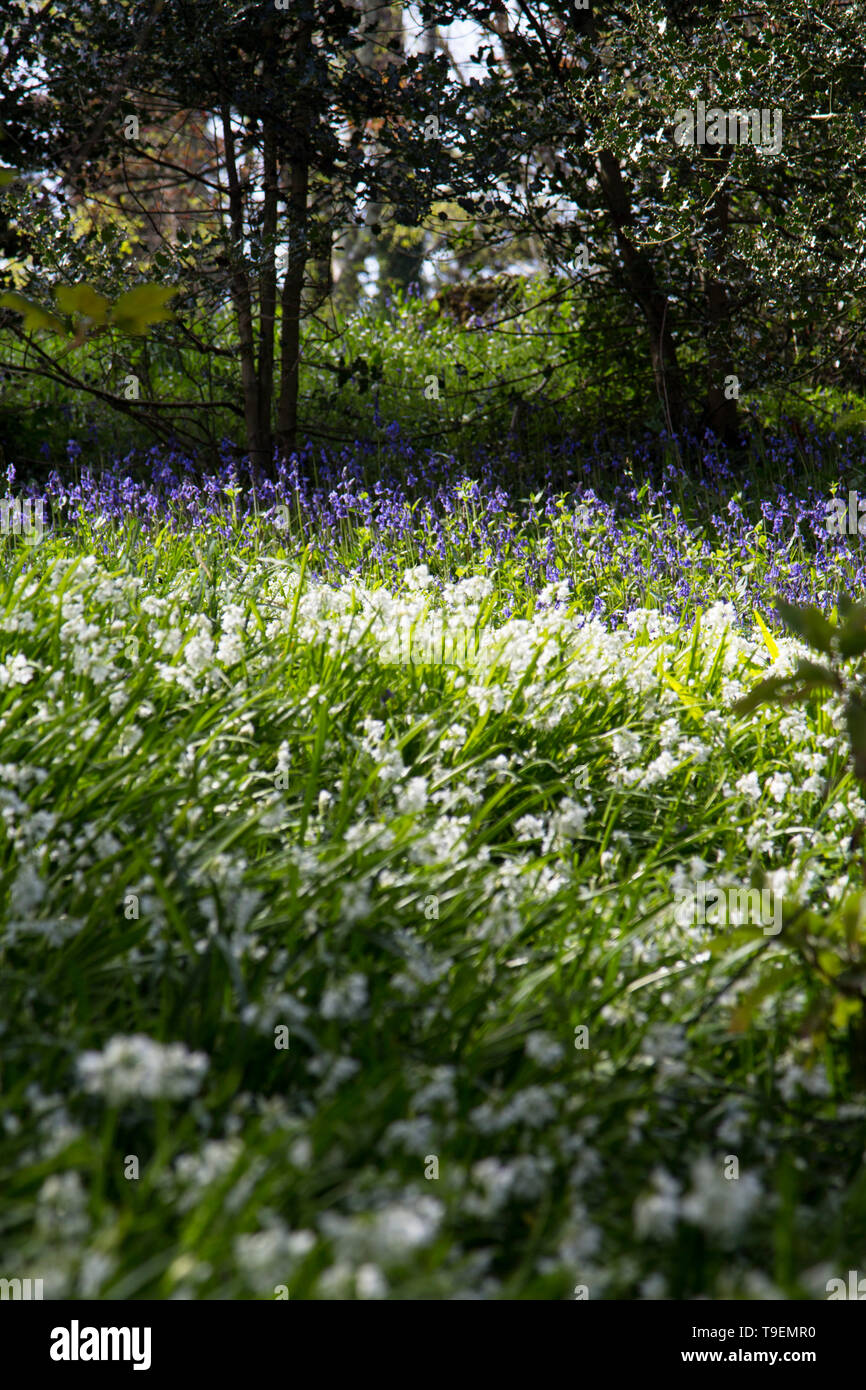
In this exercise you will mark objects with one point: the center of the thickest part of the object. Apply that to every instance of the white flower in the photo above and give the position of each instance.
(656, 1214)
(355, 904)
(626, 745)
(655, 1285)
(663, 1041)
(230, 648)
(61, 1208)
(282, 1009)
(529, 828)
(418, 578)
(814, 1082)
(523, 1180)
(570, 818)
(198, 653)
(370, 1282)
(413, 797)
(170, 641)
(400, 1228)
(28, 891)
(96, 1267)
(659, 768)
(392, 767)
(335, 1070)
(544, 1049)
(779, 785)
(215, 1160)
(532, 1107)
(438, 1091)
(154, 607)
(137, 1067)
(301, 1153)
(412, 1136)
(345, 1000)
(749, 786)
(16, 670)
(720, 1206)
(266, 1255)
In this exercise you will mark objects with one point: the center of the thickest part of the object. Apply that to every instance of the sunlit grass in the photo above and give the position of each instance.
(229, 810)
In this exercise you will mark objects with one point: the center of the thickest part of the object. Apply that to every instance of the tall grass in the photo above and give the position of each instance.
(375, 904)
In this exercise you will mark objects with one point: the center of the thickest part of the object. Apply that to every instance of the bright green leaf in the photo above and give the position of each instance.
(82, 299)
(33, 314)
(141, 306)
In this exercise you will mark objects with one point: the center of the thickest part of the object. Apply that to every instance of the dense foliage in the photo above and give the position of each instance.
(432, 641)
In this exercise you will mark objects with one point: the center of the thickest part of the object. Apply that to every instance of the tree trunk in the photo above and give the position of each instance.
(720, 411)
(649, 296)
(293, 288)
(241, 297)
(268, 307)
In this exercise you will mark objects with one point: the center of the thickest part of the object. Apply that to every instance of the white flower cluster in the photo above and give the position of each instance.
(717, 1204)
(137, 1067)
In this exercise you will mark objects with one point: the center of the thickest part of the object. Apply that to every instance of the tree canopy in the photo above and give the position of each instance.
(693, 176)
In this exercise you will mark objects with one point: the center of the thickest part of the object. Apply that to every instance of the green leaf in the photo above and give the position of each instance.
(769, 640)
(815, 676)
(772, 984)
(7, 175)
(788, 690)
(691, 703)
(141, 306)
(855, 719)
(809, 623)
(33, 314)
(764, 693)
(82, 299)
(852, 634)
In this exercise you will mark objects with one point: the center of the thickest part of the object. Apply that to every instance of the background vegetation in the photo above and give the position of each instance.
(335, 343)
